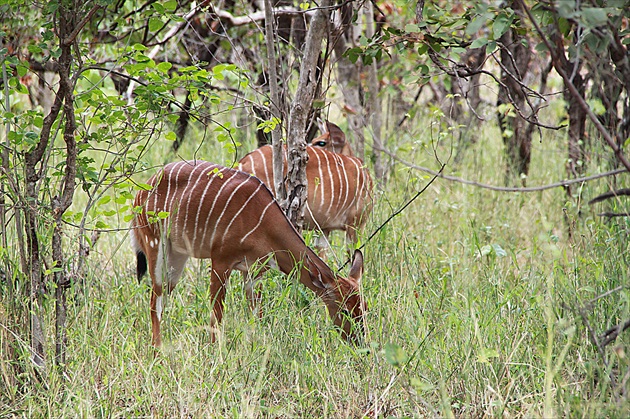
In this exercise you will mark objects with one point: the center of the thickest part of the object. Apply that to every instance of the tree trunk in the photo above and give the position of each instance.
(298, 116)
(576, 163)
(515, 61)
(274, 107)
(374, 105)
(349, 79)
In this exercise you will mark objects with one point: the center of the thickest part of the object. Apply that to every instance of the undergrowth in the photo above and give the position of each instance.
(480, 304)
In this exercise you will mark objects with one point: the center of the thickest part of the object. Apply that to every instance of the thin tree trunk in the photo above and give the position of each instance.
(374, 102)
(274, 107)
(349, 80)
(36, 281)
(60, 203)
(515, 60)
(298, 116)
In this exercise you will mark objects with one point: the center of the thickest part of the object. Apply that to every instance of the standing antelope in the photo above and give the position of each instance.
(203, 210)
(339, 195)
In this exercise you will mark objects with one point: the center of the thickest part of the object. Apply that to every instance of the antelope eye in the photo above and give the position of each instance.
(320, 144)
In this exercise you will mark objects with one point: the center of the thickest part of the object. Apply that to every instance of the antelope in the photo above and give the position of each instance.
(203, 210)
(339, 195)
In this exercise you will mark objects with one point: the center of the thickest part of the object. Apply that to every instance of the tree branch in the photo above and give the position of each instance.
(562, 183)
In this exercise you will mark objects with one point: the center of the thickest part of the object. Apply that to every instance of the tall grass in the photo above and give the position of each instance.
(474, 299)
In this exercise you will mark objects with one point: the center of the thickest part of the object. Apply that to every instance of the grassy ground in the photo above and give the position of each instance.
(474, 299)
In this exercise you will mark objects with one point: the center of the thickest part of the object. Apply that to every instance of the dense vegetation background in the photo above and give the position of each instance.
(498, 291)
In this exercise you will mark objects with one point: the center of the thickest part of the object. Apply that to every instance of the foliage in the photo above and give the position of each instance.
(481, 304)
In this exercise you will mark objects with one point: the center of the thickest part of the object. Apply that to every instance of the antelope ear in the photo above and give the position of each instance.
(322, 126)
(356, 270)
(314, 273)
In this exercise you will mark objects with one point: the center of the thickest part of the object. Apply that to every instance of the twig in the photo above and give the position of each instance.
(613, 214)
(612, 333)
(610, 194)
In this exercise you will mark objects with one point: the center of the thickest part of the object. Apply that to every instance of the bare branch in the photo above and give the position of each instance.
(562, 183)
(73, 35)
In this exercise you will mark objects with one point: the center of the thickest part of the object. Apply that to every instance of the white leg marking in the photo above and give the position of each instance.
(158, 308)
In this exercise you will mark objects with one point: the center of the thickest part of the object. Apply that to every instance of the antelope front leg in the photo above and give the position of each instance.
(156, 315)
(217, 293)
(253, 293)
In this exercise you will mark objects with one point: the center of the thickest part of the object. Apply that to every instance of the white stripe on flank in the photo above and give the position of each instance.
(211, 177)
(260, 185)
(262, 215)
(170, 204)
(347, 183)
(227, 203)
(321, 179)
(186, 194)
(217, 196)
(359, 186)
(268, 178)
(332, 186)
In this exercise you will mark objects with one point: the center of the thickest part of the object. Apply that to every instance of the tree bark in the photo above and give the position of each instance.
(374, 105)
(298, 116)
(274, 108)
(515, 60)
(349, 78)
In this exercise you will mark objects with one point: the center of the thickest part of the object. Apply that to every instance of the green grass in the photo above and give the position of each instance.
(474, 303)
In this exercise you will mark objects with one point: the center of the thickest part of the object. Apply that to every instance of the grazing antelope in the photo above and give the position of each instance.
(339, 195)
(203, 210)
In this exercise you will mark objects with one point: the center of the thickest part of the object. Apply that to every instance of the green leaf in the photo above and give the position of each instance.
(596, 106)
(479, 42)
(164, 67)
(412, 28)
(170, 5)
(104, 200)
(491, 47)
(478, 23)
(395, 355)
(498, 250)
(171, 136)
(158, 8)
(155, 23)
(34, 49)
(21, 69)
(101, 224)
(421, 386)
(163, 214)
(595, 16)
(501, 24)
(485, 354)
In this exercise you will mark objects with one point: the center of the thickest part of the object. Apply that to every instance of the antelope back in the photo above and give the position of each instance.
(210, 211)
(339, 186)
